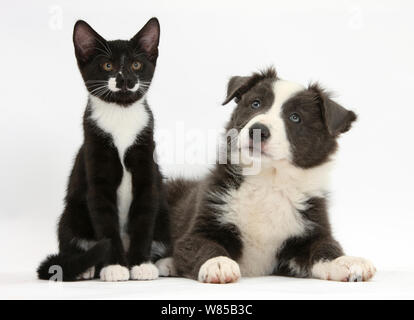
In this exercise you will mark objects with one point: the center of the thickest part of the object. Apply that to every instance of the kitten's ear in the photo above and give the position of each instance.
(337, 119)
(147, 39)
(236, 87)
(86, 41)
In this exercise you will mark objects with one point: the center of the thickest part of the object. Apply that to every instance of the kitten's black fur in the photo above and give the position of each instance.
(91, 213)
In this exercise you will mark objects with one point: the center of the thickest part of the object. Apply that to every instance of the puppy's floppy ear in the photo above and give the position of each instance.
(337, 119)
(236, 87)
(148, 38)
(240, 85)
(87, 41)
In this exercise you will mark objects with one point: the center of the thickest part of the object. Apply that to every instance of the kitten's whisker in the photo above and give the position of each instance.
(98, 89)
(90, 86)
(99, 86)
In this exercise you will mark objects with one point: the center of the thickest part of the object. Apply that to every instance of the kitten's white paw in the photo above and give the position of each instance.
(166, 267)
(345, 268)
(219, 270)
(145, 271)
(88, 274)
(114, 272)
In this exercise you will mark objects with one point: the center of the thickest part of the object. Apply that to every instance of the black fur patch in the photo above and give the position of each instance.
(313, 139)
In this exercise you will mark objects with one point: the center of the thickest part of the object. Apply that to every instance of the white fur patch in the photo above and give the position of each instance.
(135, 88)
(112, 84)
(344, 268)
(114, 272)
(124, 124)
(88, 274)
(145, 271)
(166, 267)
(296, 269)
(266, 207)
(219, 270)
(83, 243)
(158, 249)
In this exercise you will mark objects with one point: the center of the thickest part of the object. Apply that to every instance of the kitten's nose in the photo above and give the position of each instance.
(124, 83)
(121, 82)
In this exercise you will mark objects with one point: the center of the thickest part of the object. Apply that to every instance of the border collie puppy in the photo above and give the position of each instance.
(275, 221)
(115, 197)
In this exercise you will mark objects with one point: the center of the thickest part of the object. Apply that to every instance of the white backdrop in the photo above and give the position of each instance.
(362, 50)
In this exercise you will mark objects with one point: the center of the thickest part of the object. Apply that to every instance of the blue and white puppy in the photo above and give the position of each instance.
(238, 222)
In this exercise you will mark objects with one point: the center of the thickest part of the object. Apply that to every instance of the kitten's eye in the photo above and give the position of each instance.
(107, 66)
(256, 104)
(294, 117)
(136, 65)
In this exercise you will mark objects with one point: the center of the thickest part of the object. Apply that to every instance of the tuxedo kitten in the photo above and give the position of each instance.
(114, 200)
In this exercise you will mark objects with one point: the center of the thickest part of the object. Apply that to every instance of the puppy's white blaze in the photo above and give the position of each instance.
(278, 146)
(124, 124)
(135, 88)
(112, 84)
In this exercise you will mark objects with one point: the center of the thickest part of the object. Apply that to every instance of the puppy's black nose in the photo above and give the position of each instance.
(264, 131)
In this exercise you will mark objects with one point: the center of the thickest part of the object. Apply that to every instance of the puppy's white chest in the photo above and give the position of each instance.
(266, 214)
(124, 125)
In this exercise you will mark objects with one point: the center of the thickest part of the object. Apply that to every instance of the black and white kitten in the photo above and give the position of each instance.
(115, 197)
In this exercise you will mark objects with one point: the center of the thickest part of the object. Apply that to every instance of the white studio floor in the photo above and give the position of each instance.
(24, 242)
(386, 285)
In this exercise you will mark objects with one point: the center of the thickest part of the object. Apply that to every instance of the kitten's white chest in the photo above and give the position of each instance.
(124, 125)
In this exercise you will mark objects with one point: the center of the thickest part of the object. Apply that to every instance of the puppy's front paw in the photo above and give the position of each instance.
(166, 267)
(219, 270)
(114, 272)
(345, 268)
(145, 271)
(88, 274)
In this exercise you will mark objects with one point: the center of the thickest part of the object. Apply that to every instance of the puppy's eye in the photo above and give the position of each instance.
(256, 104)
(136, 65)
(107, 66)
(294, 117)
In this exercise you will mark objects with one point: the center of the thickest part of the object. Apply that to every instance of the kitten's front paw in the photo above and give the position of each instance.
(219, 270)
(114, 272)
(145, 271)
(88, 274)
(166, 267)
(345, 268)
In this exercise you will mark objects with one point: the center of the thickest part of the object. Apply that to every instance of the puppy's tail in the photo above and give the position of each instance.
(75, 264)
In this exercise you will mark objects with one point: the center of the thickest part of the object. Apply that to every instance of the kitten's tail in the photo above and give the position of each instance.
(74, 265)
